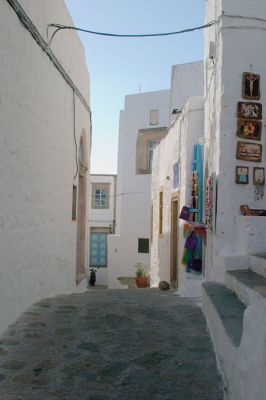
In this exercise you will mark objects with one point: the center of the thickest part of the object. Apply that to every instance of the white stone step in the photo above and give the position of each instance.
(258, 263)
(247, 284)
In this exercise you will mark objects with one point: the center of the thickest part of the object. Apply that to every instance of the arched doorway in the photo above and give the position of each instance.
(81, 221)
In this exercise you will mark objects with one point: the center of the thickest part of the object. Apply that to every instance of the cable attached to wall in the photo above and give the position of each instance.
(74, 132)
(117, 35)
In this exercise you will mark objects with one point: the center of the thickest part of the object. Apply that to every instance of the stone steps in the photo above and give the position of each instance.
(258, 263)
(228, 308)
(236, 316)
(247, 284)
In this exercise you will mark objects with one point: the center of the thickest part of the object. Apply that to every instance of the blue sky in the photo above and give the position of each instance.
(119, 67)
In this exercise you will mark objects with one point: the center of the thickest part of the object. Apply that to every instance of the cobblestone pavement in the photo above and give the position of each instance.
(110, 345)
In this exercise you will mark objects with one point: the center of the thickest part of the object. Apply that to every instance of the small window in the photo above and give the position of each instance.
(99, 198)
(151, 146)
(154, 117)
(161, 213)
(74, 203)
(143, 245)
(100, 195)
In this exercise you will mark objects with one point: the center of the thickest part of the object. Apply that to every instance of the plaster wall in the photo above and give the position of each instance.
(37, 166)
(176, 146)
(133, 199)
(240, 28)
(186, 80)
(49, 11)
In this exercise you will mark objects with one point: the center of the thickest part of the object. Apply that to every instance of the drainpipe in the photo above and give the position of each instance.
(114, 215)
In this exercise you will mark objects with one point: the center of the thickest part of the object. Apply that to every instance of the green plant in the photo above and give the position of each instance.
(142, 270)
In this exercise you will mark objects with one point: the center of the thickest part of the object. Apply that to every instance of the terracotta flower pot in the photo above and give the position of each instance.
(142, 281)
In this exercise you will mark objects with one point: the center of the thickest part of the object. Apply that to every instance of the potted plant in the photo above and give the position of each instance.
(142, 275)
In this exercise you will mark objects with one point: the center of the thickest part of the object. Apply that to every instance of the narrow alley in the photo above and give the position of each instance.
(132, 344)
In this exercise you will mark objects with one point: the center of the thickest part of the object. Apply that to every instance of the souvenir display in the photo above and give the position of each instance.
(249, 110)
(209, 203)
(246, 211)
(249, 151)
(251, 86)
(259, 182)
(194, 199)
(258, 176)
(249, 129)
(242, 174)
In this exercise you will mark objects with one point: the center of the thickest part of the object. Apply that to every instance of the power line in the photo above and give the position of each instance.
(118, 35)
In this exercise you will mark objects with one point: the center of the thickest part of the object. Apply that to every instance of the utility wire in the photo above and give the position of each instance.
(118, 35)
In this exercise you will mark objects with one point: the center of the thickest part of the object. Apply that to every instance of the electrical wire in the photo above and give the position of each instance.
(118, 194)
(74, 132)
(118, 35)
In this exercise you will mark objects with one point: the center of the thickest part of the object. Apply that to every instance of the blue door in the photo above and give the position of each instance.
(98, 249)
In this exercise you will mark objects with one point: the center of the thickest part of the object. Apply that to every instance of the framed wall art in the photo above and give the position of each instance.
(258, 176)
(242, 174)
(249, 110)
(249, 151)
(251, 86)
(249, 129)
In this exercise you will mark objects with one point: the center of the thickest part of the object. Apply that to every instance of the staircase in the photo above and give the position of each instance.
(236, 316)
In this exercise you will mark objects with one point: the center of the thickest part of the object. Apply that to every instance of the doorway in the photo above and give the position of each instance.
(174, 243)
(98, 249)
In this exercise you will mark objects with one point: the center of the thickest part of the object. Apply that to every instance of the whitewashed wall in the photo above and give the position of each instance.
(186, 80)
(177, 146)
(133, 191)
(240, 42)
(37, 159)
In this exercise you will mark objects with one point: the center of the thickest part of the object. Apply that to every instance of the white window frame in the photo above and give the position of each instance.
(99, 198)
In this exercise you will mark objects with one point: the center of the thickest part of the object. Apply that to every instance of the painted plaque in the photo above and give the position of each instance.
(258, 176)
(241, 174)
(251, 86)
(249, 151)
(249, 110)
(249, 129)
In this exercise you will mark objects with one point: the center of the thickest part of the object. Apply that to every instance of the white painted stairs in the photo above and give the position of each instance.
(236, 317)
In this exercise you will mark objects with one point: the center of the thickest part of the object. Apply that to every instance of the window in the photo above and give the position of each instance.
(151, 146)
(154, 117)
(100, 195)
(143, 245)
(99, 198)
(146, 141)
(74, 203)
(160, 213)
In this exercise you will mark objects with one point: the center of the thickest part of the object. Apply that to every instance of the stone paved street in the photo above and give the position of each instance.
(110, 345)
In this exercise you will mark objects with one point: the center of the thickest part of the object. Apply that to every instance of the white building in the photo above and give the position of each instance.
(45, 142)
(235, 93)
(143, 123)
(171, 190)
(102, 222)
